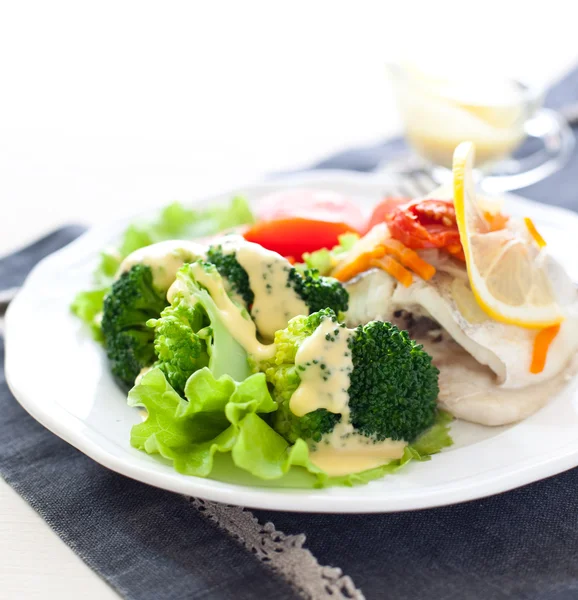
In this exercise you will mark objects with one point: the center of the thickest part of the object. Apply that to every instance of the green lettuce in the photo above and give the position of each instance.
(222, 430)
(87, 306)
(174, 222)
(219, 416)
(324, 259)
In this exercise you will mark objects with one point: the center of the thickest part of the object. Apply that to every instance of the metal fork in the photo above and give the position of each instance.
(412, 185)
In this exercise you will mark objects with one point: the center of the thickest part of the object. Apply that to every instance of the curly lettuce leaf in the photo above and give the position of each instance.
(434, 439)
(220, 416)
(227, 419)
(175, 221)
(87, 306)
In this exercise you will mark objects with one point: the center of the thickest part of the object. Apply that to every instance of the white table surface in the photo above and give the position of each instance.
(108, 107)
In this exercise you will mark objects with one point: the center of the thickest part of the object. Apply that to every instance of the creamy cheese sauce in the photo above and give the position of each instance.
(164, 259)
(343, 451)
(324, 361)
(439, 111)
(243, 330)
(275, 302)
(354, 454)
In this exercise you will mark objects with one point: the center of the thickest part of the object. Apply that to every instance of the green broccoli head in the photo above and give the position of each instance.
(312, 426)
(316, 291)
(319, 292)
(283, 374)
(131, 302)
(179, 348)
(191, 333)
(393, 385)
(236, 277)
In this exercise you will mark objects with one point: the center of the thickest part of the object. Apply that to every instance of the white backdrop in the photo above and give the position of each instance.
(108, 106)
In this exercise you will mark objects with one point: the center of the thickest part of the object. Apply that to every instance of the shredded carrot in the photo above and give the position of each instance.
(360, 264)
(409, 258)
(380, 257)
(456, 251)
(291, 259)
(378, 252)
(534, 232)
(496, 221)
(542, 343)
(395, 269)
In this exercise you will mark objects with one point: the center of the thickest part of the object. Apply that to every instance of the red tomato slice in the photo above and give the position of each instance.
(425, 224)
(311, 205)
(385, 208)
(294, 236)
(292, 222)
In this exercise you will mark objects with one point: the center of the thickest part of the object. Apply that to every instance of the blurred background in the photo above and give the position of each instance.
(109, 106)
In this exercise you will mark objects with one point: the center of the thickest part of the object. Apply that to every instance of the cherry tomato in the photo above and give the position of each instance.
(383, 209)
(425, 224)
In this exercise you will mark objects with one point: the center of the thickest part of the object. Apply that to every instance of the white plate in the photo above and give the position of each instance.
(60, 377)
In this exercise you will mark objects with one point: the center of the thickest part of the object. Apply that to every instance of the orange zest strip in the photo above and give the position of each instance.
(534, 232)
(542, 343)
(395, 269)
(409, 258)
(358, 265)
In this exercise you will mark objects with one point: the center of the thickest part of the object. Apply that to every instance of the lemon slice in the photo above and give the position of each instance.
(506, 269)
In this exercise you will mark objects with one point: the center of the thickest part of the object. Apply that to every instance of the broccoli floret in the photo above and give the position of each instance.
(316, 291)
(190, 333)
(312, 426)
(179, 347)
(283, 374)
(234, 274)
(392, 386)
(319, 292)
(131, 302)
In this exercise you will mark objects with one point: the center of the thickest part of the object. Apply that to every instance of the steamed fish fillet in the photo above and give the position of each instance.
(468, 390)
(485, 373)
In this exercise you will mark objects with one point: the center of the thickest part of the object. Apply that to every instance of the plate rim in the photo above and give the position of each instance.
(55, 418)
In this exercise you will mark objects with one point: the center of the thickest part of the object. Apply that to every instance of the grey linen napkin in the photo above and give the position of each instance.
(148, 543)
